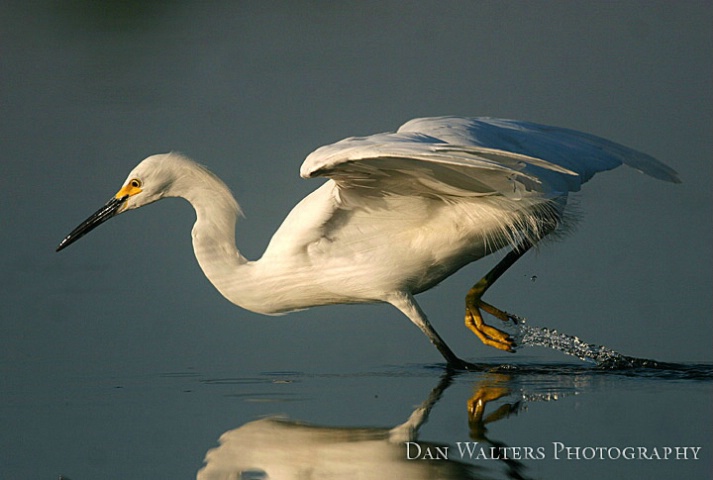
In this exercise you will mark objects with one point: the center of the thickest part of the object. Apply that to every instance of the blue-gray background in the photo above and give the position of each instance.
(249, 89)
(88, 89)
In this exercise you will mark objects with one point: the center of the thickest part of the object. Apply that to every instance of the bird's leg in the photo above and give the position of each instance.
(473, 304)
(407, 304)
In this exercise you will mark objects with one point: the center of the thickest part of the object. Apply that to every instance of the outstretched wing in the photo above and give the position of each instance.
(461, 157)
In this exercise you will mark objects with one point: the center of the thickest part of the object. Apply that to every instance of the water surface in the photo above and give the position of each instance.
(118, 359)
(505, 420)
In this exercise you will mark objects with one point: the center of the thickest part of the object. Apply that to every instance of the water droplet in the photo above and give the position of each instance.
(526, 335)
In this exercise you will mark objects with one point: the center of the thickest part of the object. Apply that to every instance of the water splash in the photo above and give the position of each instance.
(603, 357)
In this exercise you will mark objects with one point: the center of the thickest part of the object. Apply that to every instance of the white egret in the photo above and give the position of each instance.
(400, 212)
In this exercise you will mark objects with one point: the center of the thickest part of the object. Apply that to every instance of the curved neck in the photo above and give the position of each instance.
(214, 232)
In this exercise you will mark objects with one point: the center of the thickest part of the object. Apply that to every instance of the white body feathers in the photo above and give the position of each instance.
(401, 211)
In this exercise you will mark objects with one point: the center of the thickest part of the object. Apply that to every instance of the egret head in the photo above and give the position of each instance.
(149, 181)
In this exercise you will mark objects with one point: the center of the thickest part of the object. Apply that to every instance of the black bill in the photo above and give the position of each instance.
(100, 216)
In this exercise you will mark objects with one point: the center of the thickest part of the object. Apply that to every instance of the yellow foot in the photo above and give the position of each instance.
(488, 335)
(486, 393)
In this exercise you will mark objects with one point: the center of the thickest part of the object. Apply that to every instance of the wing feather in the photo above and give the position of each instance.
(580, 152)
(462, 157)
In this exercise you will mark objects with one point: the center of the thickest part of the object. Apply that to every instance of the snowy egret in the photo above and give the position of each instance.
(400, 212)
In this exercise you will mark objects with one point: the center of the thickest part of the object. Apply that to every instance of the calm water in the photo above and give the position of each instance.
(516, 420)
(118, 360)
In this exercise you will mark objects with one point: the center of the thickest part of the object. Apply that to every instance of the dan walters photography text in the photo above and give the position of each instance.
(556, 451)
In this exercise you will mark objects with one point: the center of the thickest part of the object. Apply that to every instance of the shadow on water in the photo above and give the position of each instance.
(278, 447)
(627, 366)
(636, 367)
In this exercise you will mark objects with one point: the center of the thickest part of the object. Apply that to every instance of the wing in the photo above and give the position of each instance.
(461, 157)
(577, 151)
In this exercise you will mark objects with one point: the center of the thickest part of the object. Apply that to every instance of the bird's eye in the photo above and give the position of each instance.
(136, 183)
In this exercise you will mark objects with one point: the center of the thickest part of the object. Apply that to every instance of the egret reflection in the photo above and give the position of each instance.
(283, 448)
(280, 448)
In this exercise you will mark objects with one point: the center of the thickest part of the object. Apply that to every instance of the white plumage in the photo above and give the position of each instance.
(400, 212)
